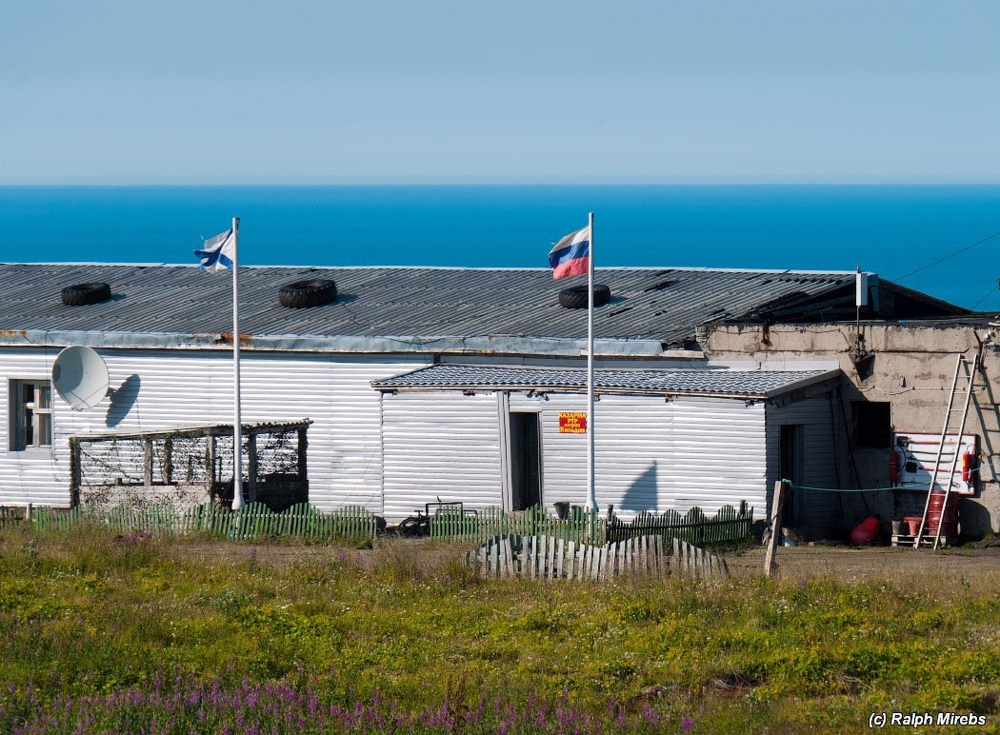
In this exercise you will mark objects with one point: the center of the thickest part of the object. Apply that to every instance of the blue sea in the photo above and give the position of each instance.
(943, 240)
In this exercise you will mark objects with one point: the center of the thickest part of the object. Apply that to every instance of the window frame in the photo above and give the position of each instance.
(35, 412)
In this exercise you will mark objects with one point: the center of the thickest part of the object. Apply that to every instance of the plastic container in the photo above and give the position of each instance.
(866, 532)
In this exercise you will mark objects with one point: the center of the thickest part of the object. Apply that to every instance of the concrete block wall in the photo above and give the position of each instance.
(912, 370)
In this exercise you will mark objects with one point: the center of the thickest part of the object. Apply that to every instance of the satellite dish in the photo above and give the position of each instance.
(80, 377)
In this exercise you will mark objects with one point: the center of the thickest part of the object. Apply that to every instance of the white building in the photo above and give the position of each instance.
(423, 383)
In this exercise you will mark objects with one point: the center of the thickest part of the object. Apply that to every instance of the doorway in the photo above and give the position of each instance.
(792, 469)
(525, 461)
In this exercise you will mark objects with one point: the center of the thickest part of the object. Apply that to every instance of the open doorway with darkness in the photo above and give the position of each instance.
(525, 461)
(792, 469)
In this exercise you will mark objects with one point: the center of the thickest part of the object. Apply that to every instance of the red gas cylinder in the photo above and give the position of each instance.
(893, 467)
(968, 463)
(940, 513)
(866, 532)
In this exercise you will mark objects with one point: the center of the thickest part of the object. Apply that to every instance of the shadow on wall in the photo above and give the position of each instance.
(642, 493)
(973, 519)
(122, 400)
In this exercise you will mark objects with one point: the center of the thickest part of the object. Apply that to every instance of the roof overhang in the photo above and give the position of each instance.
(472, 345)
(774, 385)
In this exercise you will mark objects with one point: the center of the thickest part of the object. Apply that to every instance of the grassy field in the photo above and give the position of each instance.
(129, 634)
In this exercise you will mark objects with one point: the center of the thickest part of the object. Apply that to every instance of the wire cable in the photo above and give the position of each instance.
(988, 294)
(948, 257)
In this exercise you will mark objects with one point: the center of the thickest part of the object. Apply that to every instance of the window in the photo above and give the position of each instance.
(30, 414)
(872, 425)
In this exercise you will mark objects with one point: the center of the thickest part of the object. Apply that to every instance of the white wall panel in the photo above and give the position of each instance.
(440, 444)
(39, 476)
(720, 454)
(654, 455)
(181, 388)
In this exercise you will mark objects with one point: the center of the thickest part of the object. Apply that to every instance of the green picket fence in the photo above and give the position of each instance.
(694, 527)
(729, 524)
(253, 521)
(11, 516)
(454, 524)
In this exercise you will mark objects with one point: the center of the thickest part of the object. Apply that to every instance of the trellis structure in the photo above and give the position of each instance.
(190, 466)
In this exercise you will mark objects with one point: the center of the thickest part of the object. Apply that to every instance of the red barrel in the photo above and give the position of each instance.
(938, 513)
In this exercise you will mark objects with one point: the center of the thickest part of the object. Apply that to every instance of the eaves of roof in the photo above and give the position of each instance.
(717, 383)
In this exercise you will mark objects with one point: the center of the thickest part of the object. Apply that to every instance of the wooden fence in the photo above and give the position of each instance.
(547, 557)
(253, 521)
(452, 524)
(729, 524)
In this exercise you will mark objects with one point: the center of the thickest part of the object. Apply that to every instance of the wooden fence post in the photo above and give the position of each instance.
(775, 528)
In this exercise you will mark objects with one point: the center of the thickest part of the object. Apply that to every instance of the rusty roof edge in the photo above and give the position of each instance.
(506, 345)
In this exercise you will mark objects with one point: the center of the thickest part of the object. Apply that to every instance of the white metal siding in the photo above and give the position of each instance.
(440, 444)
(820, 510)
(39, 476)
(720, 454)
(195, 388)
(654, 455)
(564, 456)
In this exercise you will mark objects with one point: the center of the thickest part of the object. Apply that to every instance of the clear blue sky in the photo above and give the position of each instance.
(534, 91)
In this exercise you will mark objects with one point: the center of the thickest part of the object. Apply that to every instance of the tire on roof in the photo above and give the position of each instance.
(82, 294)
(575, 297)
(305, 294)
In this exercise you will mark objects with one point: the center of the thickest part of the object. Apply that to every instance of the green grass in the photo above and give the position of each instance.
(85, 613)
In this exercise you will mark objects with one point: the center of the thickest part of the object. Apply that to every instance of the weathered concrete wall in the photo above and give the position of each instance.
(912, 370)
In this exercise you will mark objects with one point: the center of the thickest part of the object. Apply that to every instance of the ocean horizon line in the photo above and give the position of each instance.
(499, 184)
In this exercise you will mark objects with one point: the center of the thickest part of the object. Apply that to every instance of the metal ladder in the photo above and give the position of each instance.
(966, 369)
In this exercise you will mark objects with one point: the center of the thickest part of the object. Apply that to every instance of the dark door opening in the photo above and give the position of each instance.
(525, 465)
(792, 470)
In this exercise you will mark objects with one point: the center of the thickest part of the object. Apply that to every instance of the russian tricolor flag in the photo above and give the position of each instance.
(571, 255)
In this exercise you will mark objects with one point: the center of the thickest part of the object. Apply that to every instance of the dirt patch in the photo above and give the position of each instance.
(424, 553)
(798, 562)
(879, 562)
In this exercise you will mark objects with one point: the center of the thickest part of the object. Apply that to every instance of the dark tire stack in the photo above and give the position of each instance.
(575, 297)
(306, 294)
(86, 293)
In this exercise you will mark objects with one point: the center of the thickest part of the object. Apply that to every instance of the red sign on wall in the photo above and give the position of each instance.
(572, 422)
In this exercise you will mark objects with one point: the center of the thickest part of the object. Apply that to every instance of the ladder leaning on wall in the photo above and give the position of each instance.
(965, 372)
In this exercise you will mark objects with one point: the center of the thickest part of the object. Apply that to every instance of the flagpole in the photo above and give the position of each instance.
(237, 422)
(591, 494)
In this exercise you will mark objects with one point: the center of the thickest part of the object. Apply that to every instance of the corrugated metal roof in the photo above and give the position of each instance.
(705, 382)
(406, 304)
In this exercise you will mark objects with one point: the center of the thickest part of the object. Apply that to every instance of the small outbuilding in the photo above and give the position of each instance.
(666, 439)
